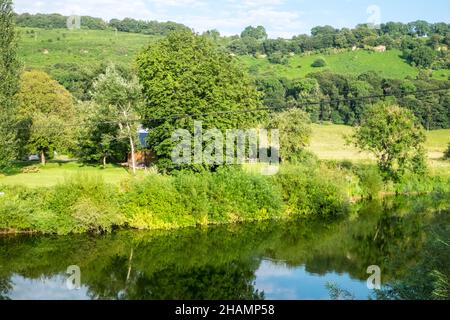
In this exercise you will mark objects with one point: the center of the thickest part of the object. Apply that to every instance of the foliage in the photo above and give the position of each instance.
(9, 84)
(278, 58)
(294, 126)
(447, 153)
(371, 182)
(46, 110)
(392, 134)
(319, 63)
(199, 199)
(187, 74)
(58, 21)
(312, 190)
(99, 139)
(114, 121)
(258, 33)
(422, 56)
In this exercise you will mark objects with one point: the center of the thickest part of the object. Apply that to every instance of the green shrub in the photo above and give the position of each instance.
(419, 184)
(319, 63)
(154, 203)
(188, 199)
(84, 204)
(371, 182)
(312, 191)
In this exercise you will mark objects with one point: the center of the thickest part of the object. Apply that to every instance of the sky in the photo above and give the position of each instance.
(281, 18)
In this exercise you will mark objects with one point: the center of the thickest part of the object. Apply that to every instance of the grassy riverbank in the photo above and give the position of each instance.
(86, 203)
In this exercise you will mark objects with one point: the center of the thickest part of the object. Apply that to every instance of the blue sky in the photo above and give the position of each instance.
(282, 18)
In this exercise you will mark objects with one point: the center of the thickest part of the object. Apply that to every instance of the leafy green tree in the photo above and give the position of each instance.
(423, 56)
(393, 135)
(274, 92)
(278, 58)
(9, 83)
(42, 98)
(295, 133)
(258, 33)
(124, 99)
(99, 139)
(187, 74)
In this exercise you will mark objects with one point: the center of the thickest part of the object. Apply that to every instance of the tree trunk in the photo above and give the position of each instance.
(130, 135)
(43, 161)
(133, 155)
(104, 161)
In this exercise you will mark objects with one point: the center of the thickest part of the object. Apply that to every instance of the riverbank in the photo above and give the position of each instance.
(86, 203)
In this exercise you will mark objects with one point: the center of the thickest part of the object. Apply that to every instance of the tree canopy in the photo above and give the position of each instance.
(395, 138)
(46, 111)
(9, 83)
(187, 74)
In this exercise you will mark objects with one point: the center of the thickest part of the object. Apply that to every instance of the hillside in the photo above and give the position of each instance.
(43, 48)
(389, 64)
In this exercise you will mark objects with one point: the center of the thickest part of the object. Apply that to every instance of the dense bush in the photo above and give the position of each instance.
(75, 206)
(312, 191)
(186, 199)
(319, 63)
(370, 181)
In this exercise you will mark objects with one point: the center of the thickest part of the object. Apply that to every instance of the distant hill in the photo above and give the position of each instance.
(388, 64)
(50, 48)
(44, 48)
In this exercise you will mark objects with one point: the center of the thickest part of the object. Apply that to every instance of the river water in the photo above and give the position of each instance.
(272, 260)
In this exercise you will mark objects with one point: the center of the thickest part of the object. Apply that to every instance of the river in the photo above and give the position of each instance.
(305, 259)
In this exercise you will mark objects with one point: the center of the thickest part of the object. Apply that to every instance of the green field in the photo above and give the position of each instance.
(44, 48)
(327, 143)
(388, 64)
(54, 173)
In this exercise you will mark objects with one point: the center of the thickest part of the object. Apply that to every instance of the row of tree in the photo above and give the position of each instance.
(422, 43)
(343, 99)
(58, 21)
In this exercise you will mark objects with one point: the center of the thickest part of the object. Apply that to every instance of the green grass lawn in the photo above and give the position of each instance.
(54, 173)
(44, 48)
(389, 65)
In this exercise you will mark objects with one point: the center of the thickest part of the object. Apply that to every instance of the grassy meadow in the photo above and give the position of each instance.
(389, 65)
(41, 48)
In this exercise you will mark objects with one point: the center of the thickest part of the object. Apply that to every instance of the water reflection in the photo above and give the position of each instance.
(284, 260)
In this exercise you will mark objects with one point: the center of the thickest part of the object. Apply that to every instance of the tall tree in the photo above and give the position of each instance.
(395, 138)
(45, 113)
(123, 97)
(190, 75)
(295, 133)
(9, 83)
